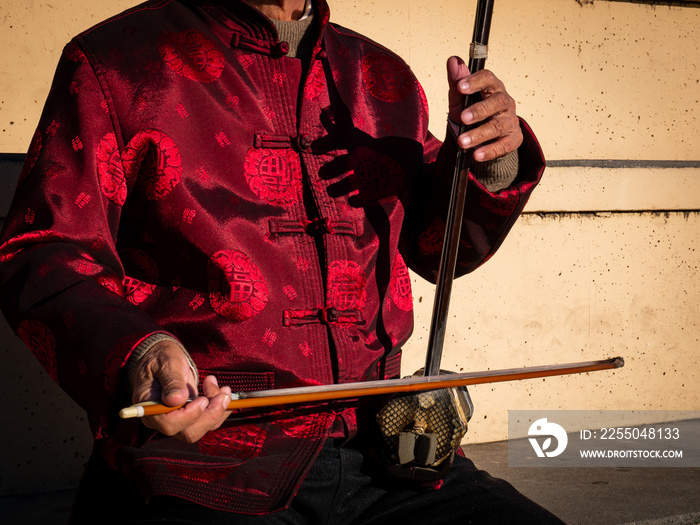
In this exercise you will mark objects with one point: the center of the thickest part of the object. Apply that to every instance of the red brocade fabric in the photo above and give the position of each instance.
(187, 177)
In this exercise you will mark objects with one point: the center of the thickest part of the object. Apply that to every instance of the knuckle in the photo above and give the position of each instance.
(493, 151)
(476, 136)
(491, 81)
(499, 150)
(499, 126)
(511, 105)
(518, 140)
(502, 99)
(479, 111)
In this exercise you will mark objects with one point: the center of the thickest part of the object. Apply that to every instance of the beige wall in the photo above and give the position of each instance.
(604, 263)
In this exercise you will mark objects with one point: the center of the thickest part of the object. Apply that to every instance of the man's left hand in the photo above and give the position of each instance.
(497, 131)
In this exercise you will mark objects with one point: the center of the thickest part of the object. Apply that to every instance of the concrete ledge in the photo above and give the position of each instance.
(592, 186)
(610, 189)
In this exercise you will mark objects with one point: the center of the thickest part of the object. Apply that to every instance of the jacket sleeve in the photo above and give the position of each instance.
(62, 285)
(488, 216)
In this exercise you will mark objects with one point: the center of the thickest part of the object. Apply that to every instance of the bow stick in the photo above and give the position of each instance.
(311, 394)
(455, 212)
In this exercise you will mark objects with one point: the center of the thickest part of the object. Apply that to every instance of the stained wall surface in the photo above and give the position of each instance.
(604, 262)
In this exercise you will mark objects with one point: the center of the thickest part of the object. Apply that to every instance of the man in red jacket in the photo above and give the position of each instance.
(228, 195)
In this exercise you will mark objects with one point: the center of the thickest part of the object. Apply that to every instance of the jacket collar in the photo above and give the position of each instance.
(253, 31)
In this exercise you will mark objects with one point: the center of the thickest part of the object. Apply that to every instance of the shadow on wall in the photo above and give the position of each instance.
(46, 439)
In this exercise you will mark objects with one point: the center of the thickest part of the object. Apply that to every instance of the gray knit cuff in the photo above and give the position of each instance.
(146, 346)
(495, 174)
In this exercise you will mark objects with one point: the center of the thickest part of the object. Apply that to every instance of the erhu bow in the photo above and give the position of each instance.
(421, 430)
(412, 384)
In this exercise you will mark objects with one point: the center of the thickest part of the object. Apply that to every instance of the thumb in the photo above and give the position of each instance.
(175, 390)
(164, 374)
(457, 70)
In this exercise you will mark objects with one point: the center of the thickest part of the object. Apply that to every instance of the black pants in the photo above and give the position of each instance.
(338, 490)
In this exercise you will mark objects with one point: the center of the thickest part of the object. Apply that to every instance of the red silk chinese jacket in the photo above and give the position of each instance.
(187, 177)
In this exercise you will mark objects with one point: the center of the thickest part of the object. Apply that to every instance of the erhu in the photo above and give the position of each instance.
(422, 432)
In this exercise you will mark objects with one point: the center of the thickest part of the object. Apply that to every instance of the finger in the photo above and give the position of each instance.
(481, 81)
(495, 104)
(210, 419)
(177, 421)
(492, 129)
(212, 390)
(210, 387)
(499, 148)
(198, 417)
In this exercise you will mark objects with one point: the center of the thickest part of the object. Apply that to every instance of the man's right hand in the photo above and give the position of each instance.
(164, 375)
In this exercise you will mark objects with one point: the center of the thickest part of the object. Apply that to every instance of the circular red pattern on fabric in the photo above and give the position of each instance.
(430, 240)
(110, 171)
(142, 271)
(386, 77)
(240, 442)
(400, 285)
(41, 341)
(376, 175)
(274, 175)
(136, 290)
(192, 55)
(346, 286)
(154, 157)
(237, 288)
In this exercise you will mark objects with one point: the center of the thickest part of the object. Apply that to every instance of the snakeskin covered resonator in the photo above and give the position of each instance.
(422, 431)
